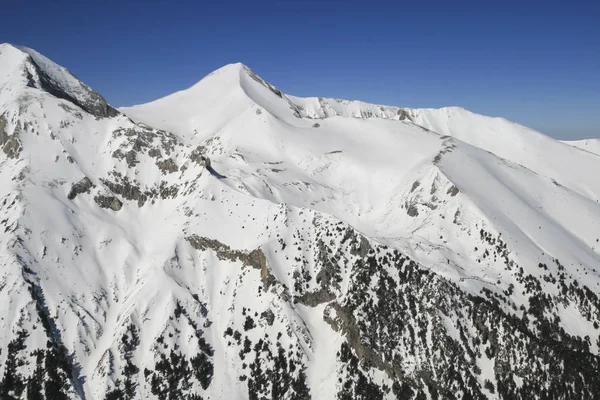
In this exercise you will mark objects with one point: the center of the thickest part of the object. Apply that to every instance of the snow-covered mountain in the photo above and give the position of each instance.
(331, 249)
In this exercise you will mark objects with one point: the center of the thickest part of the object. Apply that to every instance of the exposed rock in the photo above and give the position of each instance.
(255, 259)
(342, 320)
(118, 154)
(154, 153)
(403, 114)
(412, 211)
(131, 158)
(83, 186)
(167, 166)
(204, 243)
(205, 161)
(127, 190)
(88, 99)
(453, 191)
(313, 299)
(11, 145)
(111, 202)
(456, 217)
(196, 155)
(266, 84)
(415, 185)
(268, 316)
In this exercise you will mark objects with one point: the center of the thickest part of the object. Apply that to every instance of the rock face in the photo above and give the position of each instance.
(131, 269)
(11, 145)
(109, 202)
(59, 82)
(206, 161)
(82, 186)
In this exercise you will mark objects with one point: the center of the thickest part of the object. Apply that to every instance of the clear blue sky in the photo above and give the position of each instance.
(534, 62)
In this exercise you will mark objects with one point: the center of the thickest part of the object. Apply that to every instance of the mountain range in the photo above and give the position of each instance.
(331, 249)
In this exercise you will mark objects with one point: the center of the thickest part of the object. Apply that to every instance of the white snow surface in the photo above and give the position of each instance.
(591, 145)
(423, 181)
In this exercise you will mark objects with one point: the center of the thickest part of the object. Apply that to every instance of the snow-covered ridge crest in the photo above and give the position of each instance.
(42, 73)
(227, 95)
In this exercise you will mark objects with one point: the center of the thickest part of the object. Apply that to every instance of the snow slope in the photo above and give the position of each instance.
(591, 145)
(516, 143)
(369, 181)
(334, 250)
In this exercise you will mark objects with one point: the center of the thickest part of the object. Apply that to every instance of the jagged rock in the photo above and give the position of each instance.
(412, 211)
(205, 161)
(167, 166)
(108, 202)
(127, 190)
(154, 153)
(268, 316)
(197, 154)
(83, 186)
(255, 258)
(83, 96)
(403, 114)
(11, 145)
(313, 299)
(131, 158)
(453, 191)
(415, 185)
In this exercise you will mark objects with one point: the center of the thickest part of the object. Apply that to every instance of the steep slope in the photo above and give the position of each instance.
(516, 143)
(335, 258)
(221, 98)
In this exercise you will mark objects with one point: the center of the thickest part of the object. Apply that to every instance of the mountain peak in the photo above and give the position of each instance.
(37, 71)
(234, 73)
(236, 66)
(228, 91)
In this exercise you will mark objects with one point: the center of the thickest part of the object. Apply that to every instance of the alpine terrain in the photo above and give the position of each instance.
(230, 241)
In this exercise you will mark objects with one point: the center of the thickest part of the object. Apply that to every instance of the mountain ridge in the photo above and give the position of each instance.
(44, 74)
(500, 136)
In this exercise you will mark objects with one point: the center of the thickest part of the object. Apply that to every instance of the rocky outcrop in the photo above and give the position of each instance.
(313, 299)
(127, 189)
(11, 145)
(167, 166)
(82, 186)
(84, 97)
(255, 258)
(197, 155)
(111, 202)
(412, 211)
(403, 114)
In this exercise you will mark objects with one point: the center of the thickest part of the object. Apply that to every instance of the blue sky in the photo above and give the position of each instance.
(534, 62)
